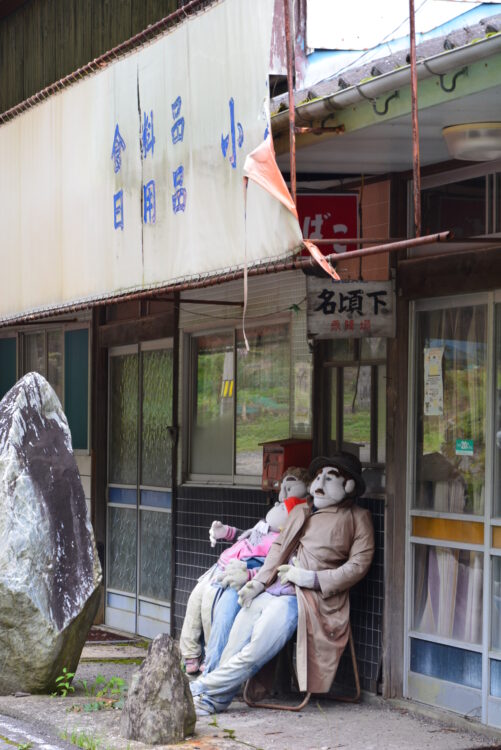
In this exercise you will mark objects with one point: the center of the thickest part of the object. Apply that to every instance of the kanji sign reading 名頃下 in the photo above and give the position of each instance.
(352, 309)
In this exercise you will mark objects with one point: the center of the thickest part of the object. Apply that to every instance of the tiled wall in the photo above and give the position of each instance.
(199, 506)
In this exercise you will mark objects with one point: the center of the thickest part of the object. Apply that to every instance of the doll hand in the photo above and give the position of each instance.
(260, 526)
(245, 534)
(248, 592)
(235, 575)
(217, 531)
(294, 574)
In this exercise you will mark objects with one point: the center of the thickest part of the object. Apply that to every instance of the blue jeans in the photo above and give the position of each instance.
(258, 634)
(226, 608)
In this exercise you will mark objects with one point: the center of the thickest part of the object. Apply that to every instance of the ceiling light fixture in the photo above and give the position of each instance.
(474, 141)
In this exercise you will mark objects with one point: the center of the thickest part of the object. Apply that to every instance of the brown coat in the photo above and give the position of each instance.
(338, 543)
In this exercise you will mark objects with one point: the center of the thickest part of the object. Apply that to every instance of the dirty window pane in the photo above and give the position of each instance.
(263, 394)
(155, 562)
(123, 419)
(122, 549)
(459, 206)
(448, 592)
(497, 420)
(34, 353)
(156, 458)
(357, 411)
(450, 424)
(381, 414)
(55, 362)
(212, 417)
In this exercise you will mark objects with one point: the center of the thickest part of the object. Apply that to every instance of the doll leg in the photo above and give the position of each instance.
(258, 633)
(225, 611)
(191, 633)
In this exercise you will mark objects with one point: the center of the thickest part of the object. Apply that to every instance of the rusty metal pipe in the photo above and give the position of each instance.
(387, 247)
(291, 264)
(292, 109)
(416, 168)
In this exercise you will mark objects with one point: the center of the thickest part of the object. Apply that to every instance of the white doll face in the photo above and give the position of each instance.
(292, 487)
(330, 487)
(277, 517)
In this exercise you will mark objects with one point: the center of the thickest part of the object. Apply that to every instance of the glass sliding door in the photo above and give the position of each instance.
(139, 489)
(452, 614)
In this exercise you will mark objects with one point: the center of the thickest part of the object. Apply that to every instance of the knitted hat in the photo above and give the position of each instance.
(291, 502)
(348, 465)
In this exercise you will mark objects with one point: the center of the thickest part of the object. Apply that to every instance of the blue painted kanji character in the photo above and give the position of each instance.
(147, 135)
(116, 151)
(235, 127)
(118, 210)
(177, 130)
(178, 177)
(149, 203)
(176, 108)
(179, 200)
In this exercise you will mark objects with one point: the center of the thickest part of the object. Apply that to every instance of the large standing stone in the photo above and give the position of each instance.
(159, 708)
(49, 569)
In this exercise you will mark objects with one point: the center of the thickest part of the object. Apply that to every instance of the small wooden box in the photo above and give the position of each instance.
(278, 455)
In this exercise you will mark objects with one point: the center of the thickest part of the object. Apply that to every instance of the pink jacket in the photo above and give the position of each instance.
(243, 550)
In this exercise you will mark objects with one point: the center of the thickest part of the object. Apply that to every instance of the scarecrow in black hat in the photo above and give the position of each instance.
(304, 583)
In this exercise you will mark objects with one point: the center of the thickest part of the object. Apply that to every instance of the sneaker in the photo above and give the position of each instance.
(203, 707)
(192, 665)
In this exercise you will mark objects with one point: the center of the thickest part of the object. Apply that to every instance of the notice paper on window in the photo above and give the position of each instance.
(433, 381)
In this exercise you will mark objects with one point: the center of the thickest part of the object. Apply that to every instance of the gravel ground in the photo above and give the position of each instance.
(322, 725)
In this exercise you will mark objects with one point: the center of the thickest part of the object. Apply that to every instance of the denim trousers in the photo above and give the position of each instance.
(258, 634)
(225, 609)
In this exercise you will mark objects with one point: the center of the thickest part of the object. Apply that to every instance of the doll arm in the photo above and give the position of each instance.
(221, 532)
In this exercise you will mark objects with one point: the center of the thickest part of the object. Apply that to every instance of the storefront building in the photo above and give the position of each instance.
(167, 408)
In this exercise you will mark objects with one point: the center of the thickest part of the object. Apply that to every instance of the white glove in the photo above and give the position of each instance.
(249, 592)
(217, 531)
(294, 574)
(235, 575)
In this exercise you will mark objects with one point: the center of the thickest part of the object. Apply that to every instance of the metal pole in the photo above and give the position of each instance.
(416, 170)
(290, 87)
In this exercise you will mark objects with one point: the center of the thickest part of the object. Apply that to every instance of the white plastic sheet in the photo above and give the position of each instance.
(90, 211)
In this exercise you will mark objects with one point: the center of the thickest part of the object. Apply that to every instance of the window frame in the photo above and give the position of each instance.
(64, 326)
(337, 367)
(189, 354)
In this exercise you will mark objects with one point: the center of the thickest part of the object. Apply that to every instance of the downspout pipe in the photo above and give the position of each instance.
(445, 62)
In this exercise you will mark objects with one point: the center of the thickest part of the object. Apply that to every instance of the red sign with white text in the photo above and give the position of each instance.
(325, 215)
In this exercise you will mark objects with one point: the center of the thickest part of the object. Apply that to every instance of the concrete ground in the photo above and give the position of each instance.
(322, 725)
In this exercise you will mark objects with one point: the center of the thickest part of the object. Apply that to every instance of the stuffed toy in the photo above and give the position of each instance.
(236, 566)
(304, 583)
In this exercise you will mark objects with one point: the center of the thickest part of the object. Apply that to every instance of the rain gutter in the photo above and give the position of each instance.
(445, 62)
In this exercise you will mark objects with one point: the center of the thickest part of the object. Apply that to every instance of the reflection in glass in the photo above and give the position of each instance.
(497, 449)
(357, 411)
(496, 603)
(156, 444)
(34, 353)
(55, 362)
(341, 350)
(155, 564)
(372, 348)
(123, 416)
(448, 592)
(459, 206)
(381, 414)
(263, 387)
(450, 425)
(122, 549)
(212, 426)
(333, 376)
